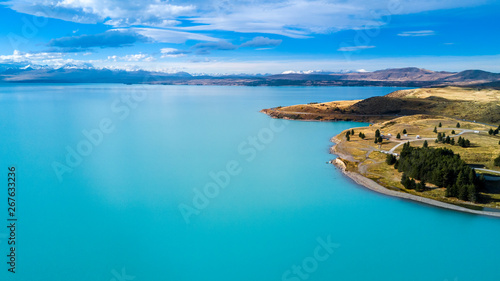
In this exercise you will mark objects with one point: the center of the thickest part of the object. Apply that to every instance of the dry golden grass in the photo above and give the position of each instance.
(319, 107)
(367, 160)
(482, 105)
(451, 93)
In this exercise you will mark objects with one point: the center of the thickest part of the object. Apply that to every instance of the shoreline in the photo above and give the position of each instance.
(374, 186)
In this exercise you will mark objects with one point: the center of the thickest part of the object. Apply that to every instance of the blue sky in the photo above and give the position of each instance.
(252, 36)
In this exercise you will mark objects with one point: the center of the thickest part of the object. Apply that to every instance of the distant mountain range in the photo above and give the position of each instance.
(409, 77)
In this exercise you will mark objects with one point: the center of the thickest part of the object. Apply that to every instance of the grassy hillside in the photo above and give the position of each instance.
(474, 104)
(367, 158)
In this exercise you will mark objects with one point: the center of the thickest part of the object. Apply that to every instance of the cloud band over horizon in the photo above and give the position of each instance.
(164, 32)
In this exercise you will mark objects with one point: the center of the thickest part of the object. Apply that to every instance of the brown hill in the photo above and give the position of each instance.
(474, 104)
(408, 75)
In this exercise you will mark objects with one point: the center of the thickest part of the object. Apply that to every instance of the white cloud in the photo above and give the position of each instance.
(172, 53)
(297, 19)
(417, 33)
(114, 12)
(18, 56)
(292, 18)
(206, 48)
(170, 36)
(301, 18)
(277, 65)
(447, 63)
(261, 41)
(55, 60)
(354, 48)
(132, 58)
(306, 72)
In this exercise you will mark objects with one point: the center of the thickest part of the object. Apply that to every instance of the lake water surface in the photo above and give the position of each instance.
(146, 183)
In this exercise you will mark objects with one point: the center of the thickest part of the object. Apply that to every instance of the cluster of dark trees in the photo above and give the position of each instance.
(348, 134)
(441, 167)
(495, 132)
(443, 138)
(410, 183)
(361, 135)
(492, 132)
(391, 159)
(463, 142)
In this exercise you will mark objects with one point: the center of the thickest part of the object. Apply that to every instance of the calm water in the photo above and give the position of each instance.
(113, 212)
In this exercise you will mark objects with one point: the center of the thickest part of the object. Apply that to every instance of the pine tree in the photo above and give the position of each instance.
(361, 135)
(458, 125)
(380, 140)
(352, 132)
(404, 180)
(398, 136)
(451, 191)
(405, 132)
(440, 125)
(447, 192)
(461, 180)
(420, 186)
(463, 192)
(461, 141)
(467, 143)
(490, 132)
(377, 133)
(390, 159)
(452, 142)
(472, 176)
(426, 144)
(347, 137)
(435, 130)
(472, 193)
(453, 132)
(411, 184)
(496, 162)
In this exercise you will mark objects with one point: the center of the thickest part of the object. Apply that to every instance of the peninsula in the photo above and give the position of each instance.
(438, 146)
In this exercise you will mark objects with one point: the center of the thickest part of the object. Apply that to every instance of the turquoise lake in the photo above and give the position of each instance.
(107, 174)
